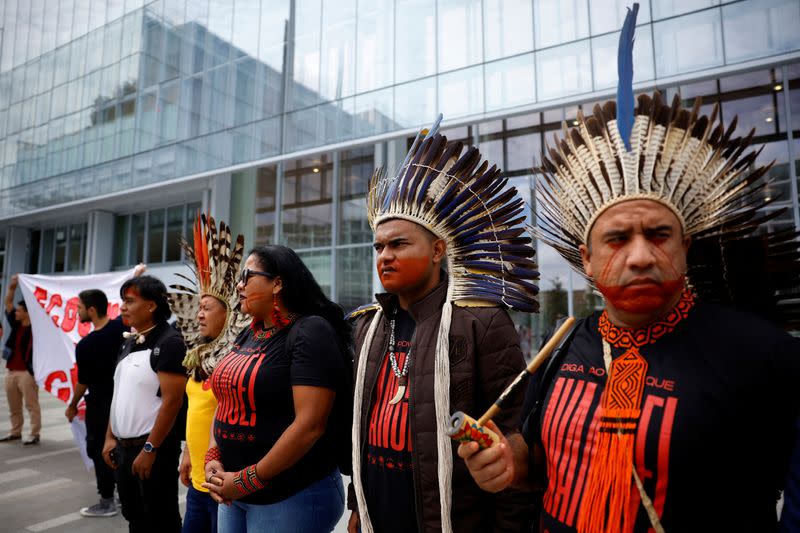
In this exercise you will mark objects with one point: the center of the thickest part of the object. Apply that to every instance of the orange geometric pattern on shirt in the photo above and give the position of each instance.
(627, 337)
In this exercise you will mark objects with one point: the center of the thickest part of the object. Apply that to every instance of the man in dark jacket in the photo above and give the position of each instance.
(433, 344)
(20, 384)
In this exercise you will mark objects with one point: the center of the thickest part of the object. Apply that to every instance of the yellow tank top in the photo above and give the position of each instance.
(199, 417)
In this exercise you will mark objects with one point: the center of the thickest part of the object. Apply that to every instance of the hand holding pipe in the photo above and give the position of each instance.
(464, 428)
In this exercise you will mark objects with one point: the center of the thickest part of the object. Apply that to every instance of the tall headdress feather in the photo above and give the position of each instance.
(215, 265)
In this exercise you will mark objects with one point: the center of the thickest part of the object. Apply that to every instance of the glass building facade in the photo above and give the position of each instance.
(118, 118)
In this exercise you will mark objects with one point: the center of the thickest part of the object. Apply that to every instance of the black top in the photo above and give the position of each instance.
(96, 357)
(388, 474)
(253, 385)
(713, 438)
(20, 342)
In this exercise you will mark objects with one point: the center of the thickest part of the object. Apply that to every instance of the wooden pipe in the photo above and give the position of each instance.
(463, 428)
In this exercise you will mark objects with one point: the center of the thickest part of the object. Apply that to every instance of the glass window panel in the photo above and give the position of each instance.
(46, 69)
(304, 88)
(677, 41)
(748, 80)
(492, 151)
(77, 58)
(559, 21)
(523, 152)
(169, 112)
(136, 251)
(75, 240)
(375, 45)
(302, 129)
(114, 9)
(354, 267)
(48, 249)
(563, 71)
(155, 236)
(461, 92)
(61, 250)
(268, 137)
(61, 65)
(338, 50)
(460, 35)
(97, 14)
(246, 18)
(758, 28)
(756, 112)
(355, 169)
(415, 102)
(266, 186)
(121, 231)
(174, 232)
(306, 227)
(113, 43)
(508, 28)
(147, 121)
(374, 112)
(64, 24)
(415, 44)
(336, 120)
(274, 21)
(670, 8)
(605, 47)
(510, 82)
(243, 143)
(608, 15)
(220, 26)
(319, 263)
(21, 36)
(132, 33)
(245, 91)
(94, 51)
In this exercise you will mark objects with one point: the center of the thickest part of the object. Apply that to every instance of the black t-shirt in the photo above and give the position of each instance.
(253, 385)
(712, 441)
(96, 356)
(388, 475)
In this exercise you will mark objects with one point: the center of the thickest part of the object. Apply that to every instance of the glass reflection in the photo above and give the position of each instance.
(354, 267)
(507, 28)
(510, 82)
(563, 70)
(757, 28)
(559, 21)
(677, 41)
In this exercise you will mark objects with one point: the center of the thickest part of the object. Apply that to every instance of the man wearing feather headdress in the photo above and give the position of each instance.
(666, 411)
(436, 341)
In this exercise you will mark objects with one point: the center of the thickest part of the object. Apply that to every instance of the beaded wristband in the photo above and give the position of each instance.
(213, 454)
(246, 481)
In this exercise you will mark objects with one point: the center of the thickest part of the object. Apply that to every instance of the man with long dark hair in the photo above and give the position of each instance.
(143, 439)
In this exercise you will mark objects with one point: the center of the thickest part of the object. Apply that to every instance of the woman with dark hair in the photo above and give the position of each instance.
(273, 458)
(143, 439)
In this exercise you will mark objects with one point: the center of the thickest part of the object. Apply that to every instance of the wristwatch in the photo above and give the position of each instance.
(148, 447)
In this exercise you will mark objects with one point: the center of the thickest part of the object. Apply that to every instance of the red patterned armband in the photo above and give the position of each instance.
(213, 454)
(246, 481)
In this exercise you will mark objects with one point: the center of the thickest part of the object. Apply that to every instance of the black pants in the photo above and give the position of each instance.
(150, 505)
(96, 424)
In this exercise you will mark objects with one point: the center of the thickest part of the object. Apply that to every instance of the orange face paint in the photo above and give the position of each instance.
(402, 273)
(641, 298)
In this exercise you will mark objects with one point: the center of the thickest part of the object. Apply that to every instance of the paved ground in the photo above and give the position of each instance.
(43, 487)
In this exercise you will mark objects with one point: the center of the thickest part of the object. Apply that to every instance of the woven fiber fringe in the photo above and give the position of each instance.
(366, 525)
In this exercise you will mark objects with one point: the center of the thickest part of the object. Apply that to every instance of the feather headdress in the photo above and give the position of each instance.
(215, 264)
(467, 202)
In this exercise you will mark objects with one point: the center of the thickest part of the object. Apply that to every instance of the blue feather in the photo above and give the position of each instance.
(625, 104)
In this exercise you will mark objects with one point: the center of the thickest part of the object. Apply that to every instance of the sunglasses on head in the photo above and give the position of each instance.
(246, 273)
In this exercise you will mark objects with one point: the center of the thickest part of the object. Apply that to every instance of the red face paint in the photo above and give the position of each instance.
(403, 273)
(641, 298)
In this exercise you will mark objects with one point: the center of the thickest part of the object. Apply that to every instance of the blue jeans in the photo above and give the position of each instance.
(315, 509)
(201, 513)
